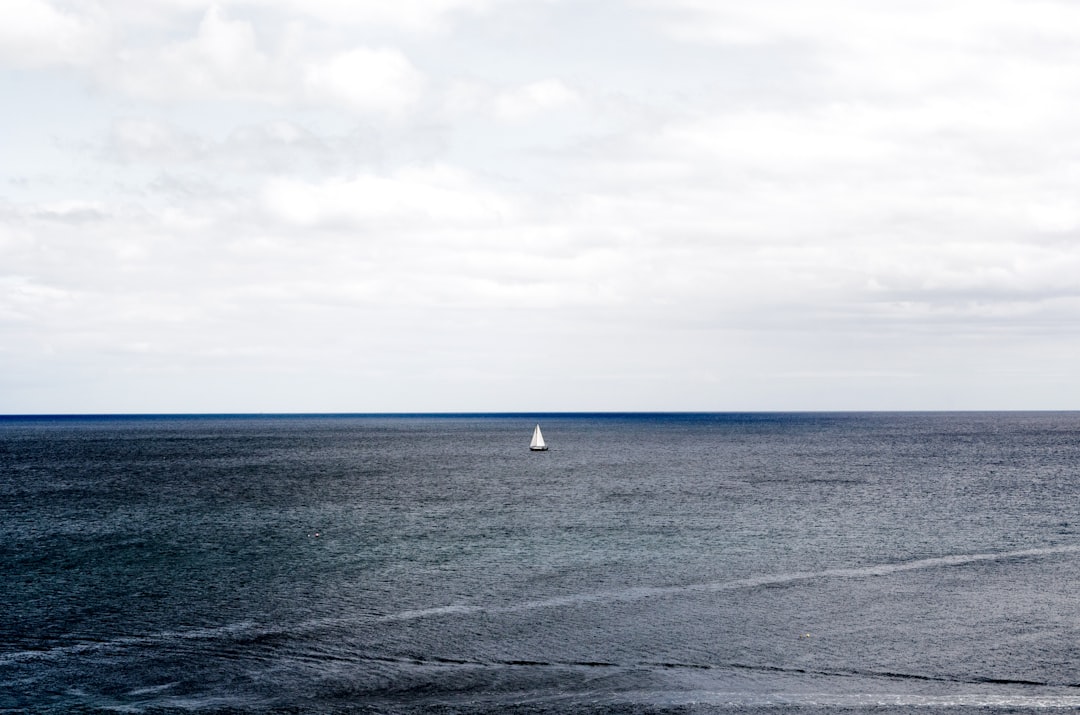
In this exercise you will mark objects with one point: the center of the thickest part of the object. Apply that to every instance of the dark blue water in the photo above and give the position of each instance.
(646, 563)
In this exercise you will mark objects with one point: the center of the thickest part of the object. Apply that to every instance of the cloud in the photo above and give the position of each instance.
(527, 100)
(543, 104)
(226, 61)
(148, 141)
(268, 146)
(36, 34)
(413, 16)
(222, 62)
(410, 15)
(887, 48)
(71, 211)
(273, 54)
(431, 196)
(25, 300)
(850, 23)
(278, 146)
(365, 80)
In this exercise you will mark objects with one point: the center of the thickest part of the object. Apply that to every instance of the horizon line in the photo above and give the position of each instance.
(524, 413)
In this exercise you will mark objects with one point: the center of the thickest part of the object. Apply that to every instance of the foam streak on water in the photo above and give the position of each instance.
(640, 592)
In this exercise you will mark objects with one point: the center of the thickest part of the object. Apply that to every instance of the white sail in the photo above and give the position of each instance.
(537, 443)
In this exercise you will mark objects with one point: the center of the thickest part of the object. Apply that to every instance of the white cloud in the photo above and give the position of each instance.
(525, 101)
(845, 23)
(365, 80)
(889, 48)
(411, 15)
(519, 104)
(34, 33)
(423, 16)
(424, 196)
(144, 140)
(226, 61)
(71, 211)
(279, 146)
(222, 62)
(24, 300)
(1060, 216)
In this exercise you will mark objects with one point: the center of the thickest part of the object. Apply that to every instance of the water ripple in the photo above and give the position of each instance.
(643, 592)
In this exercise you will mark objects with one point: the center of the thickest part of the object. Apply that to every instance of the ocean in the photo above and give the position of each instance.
(646, 563)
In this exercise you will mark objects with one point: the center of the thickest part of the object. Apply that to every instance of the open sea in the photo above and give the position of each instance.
(646, 563)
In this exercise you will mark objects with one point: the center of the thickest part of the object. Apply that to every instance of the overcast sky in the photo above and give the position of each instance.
(504, 205)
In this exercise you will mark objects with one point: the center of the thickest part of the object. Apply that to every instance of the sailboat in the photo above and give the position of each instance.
(537, 444)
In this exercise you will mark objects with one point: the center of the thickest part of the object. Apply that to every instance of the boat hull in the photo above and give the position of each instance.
(537, 449)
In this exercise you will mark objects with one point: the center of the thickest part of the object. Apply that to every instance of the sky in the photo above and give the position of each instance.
(539, 205)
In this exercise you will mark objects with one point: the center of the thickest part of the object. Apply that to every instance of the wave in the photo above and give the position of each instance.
(82, 647)
(437, 662)
(844, 700)
(244, 634)
(643, 592)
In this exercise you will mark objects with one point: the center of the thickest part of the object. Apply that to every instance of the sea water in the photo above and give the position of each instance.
(645, 563)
